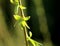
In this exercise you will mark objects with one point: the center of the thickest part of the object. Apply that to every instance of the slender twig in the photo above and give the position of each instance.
(22, 9)
(25, 30)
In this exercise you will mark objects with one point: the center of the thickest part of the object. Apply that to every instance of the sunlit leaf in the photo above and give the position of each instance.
(27, 26)
(37, 43)
(14, 1)
(17, 1)
(30, 33)
(23, 23)
(11, 1)
(22, 7)
(17, 17)
(31, 41)
(27, 18)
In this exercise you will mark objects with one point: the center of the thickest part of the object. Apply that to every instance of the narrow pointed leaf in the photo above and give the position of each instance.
(30, 33)
(31, 41)
(17, 17)
(17, 1)
(27, 25)
(11, 1)
(23, 23)
(27, 18)
(22, 7)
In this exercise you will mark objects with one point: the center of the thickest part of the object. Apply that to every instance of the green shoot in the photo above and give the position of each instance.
(22, 21)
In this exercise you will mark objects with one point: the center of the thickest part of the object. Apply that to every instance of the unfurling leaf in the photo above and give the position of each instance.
(14, 1)
(22, 7)
(30, 33)
(32, 41)
(22, 21)
(24, 24)
(17, 17)
(17, 1)
(27, 26)
(11, 1)
(26, 18)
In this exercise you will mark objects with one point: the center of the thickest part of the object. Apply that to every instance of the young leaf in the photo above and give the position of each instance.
(30, 33)
(17, 17)
(11, 1)
(17, 1)
(23, 23)
(26, 18)
(22, 7)
(31, 41)
(34, 43)
(14, 1)
(27, 26)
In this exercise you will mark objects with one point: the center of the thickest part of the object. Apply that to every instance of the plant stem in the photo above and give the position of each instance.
(22, 9)
(25, 30)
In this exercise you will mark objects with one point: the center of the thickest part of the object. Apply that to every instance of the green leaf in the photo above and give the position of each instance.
(34, 43)
(31, 41)
(14, 1)
(17, 1)
(22, 7)
(22, 21)
(27, 26)
(17, 17)
(30, 33)
(11, 1)
(26, 18)
(24, 24)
